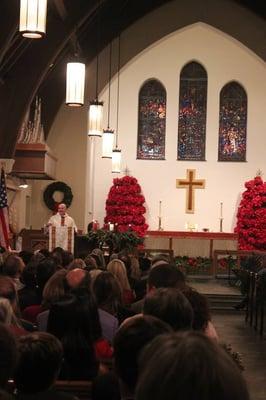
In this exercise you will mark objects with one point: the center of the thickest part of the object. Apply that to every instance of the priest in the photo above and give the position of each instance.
(61, 230)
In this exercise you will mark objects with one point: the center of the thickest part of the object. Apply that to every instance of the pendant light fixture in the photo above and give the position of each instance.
(116, 154)
(95, 116)
(108, 133)
(75, 83)
(32, 22)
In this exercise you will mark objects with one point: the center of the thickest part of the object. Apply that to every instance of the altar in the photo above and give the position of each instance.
(192, 244)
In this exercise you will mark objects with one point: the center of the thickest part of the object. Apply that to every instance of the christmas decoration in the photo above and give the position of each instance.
(251, 216)
(57, 187)
(124, 206)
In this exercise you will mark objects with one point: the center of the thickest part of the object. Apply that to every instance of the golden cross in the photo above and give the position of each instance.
(190, 184)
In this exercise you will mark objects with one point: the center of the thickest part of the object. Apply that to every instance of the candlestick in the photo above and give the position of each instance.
(221, 210)
(160, 208)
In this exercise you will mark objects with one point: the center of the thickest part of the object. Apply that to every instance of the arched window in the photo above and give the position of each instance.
(192, 113)
(151, 121)
(232, 123)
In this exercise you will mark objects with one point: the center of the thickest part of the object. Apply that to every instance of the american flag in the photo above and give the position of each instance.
(4, 224)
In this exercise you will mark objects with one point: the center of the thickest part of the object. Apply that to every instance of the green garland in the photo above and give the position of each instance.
(115, 240)
(57, 187)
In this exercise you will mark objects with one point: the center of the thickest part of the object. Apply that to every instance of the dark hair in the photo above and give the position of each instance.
(45, 269)
(130, 339)
(12, 265)
(26, 256)
(67, 258)
(171, 306)
(188, 366)
(45, 252)
(166, 275)
(8, 351)
(72, 321)
(28, 275)
(201, 309)
(40, 357)
(107, 292)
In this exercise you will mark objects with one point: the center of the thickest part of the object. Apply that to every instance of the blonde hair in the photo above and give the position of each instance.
(135, 270)
(7, 315)
(118, 269)
(54, 288)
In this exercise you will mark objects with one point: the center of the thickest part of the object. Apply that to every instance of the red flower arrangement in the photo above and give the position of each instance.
(124, 206)
(251, 216)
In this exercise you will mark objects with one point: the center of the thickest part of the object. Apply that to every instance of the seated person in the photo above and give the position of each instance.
(188, 366)
(170, 306)
(129, 341)
(40, 358)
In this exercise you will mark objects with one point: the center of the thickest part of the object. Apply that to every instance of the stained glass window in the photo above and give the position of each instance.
(151, 122)
(232, 123)
(192, 113)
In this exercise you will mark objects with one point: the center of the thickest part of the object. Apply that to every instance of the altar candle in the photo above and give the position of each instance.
(160, 208)
(186, 225)
(111, 227)
(221, 210)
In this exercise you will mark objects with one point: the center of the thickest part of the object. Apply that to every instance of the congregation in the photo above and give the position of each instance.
(133, 332)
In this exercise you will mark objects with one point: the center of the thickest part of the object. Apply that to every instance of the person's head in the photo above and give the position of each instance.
(54, 288)
(67, 258)
(13, 266)
(45, 269)
(8, 291)
(129, 341)
(188, 366)
(165, 275)
(76, 263)
(28, 276)
(79, 281)
(90, 263)
(8, 351)
(118, 269)
(26, 256)
(62, 209)
(40, 358)
(171, 306)
(201, 309)
(75, 322)
(123, 256)
(107, 292)
(7, 315)
(97, 254)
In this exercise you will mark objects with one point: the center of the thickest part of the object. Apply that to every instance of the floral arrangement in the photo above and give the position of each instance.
(116, 241)
(251, 216)
(202, 265)
(193, 265)
(124, 206)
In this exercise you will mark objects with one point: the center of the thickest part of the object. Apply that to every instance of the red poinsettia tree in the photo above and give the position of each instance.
(124, 206)
(251, 216)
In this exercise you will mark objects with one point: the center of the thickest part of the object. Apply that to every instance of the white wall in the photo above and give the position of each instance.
(225, 59)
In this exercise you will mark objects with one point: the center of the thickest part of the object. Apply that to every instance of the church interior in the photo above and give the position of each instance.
(181, 89)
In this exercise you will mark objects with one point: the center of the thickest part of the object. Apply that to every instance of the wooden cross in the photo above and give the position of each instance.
(190, 184)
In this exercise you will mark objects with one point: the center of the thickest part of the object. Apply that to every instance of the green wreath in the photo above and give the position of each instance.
(57, 187)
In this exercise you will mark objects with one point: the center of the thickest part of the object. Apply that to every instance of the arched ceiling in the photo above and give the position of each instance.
(28, 67)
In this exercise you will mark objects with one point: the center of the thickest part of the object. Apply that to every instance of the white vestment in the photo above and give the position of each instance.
(61, 232)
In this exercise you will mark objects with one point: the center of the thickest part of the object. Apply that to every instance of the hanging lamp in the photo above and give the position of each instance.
(116, 153)
(75, 84)
(95, 114)
(108, 133)
(32, 22)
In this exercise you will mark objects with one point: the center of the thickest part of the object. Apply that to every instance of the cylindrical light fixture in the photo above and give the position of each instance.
(116, 161)
(95, 118)
(32, 23)
(107, 143)
(75, 84)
